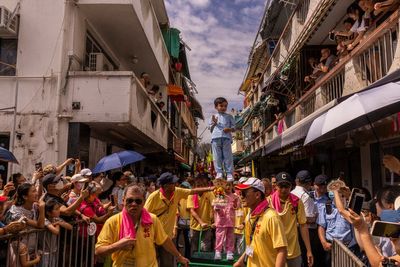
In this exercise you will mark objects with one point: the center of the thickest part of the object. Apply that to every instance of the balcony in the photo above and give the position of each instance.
(130, 28)
(115, 105)
(375, 56)
(188, 119)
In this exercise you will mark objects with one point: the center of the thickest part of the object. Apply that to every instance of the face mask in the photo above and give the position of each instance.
(59, 185)
(331, 195)
(390, 216)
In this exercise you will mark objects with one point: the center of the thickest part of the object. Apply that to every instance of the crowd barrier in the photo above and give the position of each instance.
(343, 257)
(70, 248)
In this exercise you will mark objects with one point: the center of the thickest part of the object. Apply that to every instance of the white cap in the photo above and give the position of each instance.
(86, 172)
(243, 179)
(397, 203)
(252, 182)
(78, 178)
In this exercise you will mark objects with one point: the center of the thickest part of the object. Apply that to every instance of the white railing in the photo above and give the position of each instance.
(343, 257)
(333, 88)
(375, 61)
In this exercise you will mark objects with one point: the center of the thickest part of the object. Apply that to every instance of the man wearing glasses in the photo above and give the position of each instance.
(131, 235)
(164, 204)
(264, 233)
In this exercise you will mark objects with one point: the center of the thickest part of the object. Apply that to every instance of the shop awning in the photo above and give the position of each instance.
(172, 41)
(250, 157)
(273, 145)
(300, 129)
(360, 109)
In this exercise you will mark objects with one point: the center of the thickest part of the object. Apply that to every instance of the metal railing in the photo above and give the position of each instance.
(375, 61)
(343, 257)
(333, 88)
(67, 249)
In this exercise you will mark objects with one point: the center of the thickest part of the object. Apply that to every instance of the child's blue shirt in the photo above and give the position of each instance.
(224, 121)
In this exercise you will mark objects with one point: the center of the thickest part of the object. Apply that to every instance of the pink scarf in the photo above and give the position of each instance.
(164, 195)
(127, 228)
(260, 208)
(195, 198)
(276, 202)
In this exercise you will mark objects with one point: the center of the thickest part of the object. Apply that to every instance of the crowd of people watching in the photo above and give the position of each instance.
(361, 17)
(293, 220)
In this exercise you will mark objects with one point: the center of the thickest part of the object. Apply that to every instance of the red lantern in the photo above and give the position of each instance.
(178, 66)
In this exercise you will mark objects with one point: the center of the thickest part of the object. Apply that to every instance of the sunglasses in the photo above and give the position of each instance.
(244, 192)
(138, 201)
(284, 185)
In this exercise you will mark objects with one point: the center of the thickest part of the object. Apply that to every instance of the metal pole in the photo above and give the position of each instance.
(13, 133)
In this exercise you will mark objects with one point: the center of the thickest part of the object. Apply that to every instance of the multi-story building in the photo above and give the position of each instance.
(71, 82)
(280, 105)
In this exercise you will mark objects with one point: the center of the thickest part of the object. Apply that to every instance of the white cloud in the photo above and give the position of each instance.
(220, 43)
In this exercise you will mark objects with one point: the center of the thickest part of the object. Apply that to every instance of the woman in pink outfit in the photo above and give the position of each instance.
(224, 217)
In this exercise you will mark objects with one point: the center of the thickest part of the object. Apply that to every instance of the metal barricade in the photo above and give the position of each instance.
(343, 257)
(70, 248)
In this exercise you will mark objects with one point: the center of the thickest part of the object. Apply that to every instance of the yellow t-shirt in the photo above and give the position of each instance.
(204, 210)
(184, 213)
(240, 215)
(290, 219)
(268, 236)
(156, 203)
(144, 253)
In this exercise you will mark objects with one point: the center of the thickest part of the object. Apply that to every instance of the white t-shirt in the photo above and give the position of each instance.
(358, 26)
(309, 205)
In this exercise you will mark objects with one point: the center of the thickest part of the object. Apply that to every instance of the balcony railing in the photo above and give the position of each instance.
(374, 55)
(188, 119)
(375, 61)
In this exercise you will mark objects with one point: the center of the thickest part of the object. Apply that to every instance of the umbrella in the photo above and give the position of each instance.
(7, 156)
(356, 111)
(117, 160)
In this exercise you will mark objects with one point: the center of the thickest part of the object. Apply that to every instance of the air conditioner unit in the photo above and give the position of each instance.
(99, 62)
(8, 23)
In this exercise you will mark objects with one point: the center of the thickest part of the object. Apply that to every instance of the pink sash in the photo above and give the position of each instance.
(127, 228)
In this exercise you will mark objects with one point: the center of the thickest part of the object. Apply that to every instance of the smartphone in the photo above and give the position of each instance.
(111, 197)
(386, 229)
(38, 166)
(356, 200)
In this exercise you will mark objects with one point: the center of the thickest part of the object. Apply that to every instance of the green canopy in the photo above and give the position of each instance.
(172, 41)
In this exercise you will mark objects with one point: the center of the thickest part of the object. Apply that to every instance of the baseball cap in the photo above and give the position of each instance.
(252, 183)
(3, 199)
(321, 179)
(50, 179)
(304, 176)
(283, 177)
(78, 178)
(86, 172)
(243, 179)
(167, 178)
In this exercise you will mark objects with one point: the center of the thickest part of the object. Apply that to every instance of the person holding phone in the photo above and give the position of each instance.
(332, 224)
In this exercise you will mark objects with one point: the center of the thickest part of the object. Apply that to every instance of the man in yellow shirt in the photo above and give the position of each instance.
(164, 204)
(201, 215)
(291, 210)
(131, 235)
(264, 233)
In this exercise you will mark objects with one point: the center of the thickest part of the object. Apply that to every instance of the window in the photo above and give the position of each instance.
(92, 46)
(8, 56)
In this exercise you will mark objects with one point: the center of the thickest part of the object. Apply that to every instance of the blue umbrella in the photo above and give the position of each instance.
(117, 160)
(7, 156)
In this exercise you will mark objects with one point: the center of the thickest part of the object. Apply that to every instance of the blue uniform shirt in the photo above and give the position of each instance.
(224, 121)
(336, 226)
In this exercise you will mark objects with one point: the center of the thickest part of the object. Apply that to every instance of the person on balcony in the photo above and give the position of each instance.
(326, 62)
(221, 126)
(145, 80)
(345, 37)
(131, 236)
(359, 28)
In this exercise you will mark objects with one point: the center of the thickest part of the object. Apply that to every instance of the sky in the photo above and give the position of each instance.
(220, 34)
